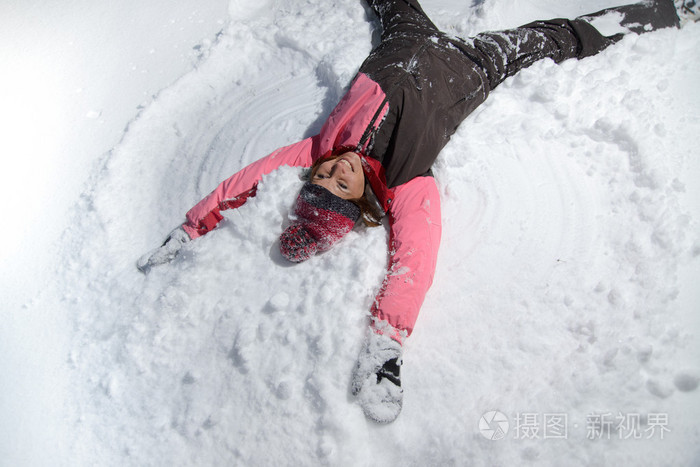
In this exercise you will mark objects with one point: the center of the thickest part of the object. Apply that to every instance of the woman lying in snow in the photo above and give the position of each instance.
(374, 153)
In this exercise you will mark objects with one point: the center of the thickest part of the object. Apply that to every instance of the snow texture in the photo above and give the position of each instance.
(556, 290)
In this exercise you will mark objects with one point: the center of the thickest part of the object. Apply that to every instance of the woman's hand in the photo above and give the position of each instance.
(165, 253)
(376, 380)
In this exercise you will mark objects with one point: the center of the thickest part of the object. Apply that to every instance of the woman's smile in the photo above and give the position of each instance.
(342, 176)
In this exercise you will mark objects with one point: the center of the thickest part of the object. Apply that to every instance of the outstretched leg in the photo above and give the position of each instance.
(401, 17)
(503, 53)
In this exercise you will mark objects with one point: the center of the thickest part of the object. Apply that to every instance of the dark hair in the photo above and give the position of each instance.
(371, 213)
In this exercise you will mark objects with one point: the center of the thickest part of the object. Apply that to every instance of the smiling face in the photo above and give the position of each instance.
(342, 176)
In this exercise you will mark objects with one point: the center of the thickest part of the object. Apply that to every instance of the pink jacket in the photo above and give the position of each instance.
(413, 208)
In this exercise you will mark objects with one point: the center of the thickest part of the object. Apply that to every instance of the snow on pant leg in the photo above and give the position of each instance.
(415, 238)
(405, 27)
(401, 16)
(503, 53)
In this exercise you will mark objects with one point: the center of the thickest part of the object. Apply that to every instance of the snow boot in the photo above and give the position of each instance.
(688, 10)
(165, 253)
(376, 381)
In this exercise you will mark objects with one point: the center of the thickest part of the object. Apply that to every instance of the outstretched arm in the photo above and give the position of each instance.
(230, 194)
(415, 237)
(235, 190)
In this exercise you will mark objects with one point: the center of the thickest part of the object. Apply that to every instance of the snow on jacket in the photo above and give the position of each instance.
(413, 208)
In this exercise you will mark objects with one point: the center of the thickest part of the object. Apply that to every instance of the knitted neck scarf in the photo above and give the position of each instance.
(322, 220)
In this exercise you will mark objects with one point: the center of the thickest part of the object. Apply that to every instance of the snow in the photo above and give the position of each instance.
(566, 281)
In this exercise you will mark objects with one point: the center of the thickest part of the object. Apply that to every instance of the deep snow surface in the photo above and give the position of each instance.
(564, 232)
(73, 75)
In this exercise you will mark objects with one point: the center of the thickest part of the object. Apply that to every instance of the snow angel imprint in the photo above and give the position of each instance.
(373, 158)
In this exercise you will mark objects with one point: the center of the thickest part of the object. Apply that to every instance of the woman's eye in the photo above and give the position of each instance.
(343, 186)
